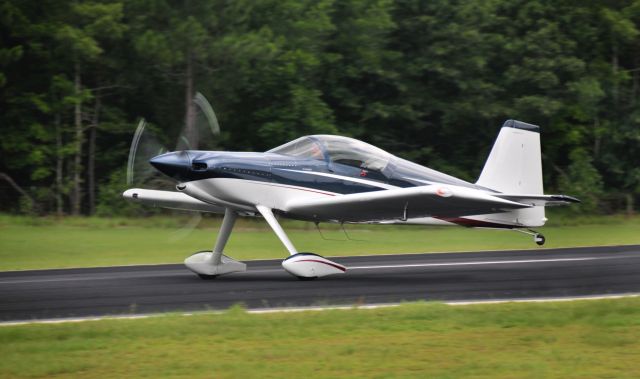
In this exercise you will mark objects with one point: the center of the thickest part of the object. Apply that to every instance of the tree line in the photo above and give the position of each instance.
(431, 81)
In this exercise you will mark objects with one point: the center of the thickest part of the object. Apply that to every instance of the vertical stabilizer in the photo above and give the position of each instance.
(514, 165)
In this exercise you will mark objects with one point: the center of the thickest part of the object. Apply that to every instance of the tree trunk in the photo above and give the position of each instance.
(614, 71)
(92, 153)
(634, 90)
(19, 189)
(191, 133)
(596, 137)
(79, 137)
(59, 164)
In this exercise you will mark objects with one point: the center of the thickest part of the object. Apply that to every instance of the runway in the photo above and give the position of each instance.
(494, 275)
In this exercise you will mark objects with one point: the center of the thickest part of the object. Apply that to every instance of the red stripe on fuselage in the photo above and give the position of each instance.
(475, 223)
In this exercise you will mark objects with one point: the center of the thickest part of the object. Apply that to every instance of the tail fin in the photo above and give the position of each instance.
(514, 165)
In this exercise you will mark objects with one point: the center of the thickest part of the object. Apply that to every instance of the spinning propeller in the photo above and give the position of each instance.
(200, 132)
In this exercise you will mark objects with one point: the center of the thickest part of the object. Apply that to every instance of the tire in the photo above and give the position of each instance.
(306, 278)
(207, 277)
(540, 240)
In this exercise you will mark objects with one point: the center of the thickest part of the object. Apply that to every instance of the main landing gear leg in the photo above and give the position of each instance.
(304, 266)
(209, 264)
(538, 238)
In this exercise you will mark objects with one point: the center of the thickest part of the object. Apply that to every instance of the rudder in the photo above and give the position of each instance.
(515, 163)
(514, 167)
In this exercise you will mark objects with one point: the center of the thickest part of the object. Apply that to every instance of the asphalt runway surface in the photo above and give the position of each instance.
(495, 275)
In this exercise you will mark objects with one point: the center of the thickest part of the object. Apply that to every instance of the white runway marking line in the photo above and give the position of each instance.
(482, 263)
(327, 308)
(133, 275)
(444, 264)
(532, 250)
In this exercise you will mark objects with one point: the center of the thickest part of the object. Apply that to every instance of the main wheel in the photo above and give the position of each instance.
(207, 277)
(539, 239)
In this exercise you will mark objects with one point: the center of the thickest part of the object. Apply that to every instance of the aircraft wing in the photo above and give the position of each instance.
(170, 199)
(401, 203)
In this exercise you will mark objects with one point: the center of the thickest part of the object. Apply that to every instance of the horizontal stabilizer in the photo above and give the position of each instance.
(170, 199)
(540, 200)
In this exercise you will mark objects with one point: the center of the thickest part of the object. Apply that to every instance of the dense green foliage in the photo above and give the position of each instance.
(428, 80)
(577, 339)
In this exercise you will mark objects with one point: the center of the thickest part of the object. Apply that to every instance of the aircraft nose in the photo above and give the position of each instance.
(175, 164)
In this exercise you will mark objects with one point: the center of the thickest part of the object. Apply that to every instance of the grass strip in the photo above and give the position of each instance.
(69, 243)
(580, 339)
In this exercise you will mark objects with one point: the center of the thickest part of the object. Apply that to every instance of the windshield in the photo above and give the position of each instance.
(303, 147)
(337, 150)
(351, 152)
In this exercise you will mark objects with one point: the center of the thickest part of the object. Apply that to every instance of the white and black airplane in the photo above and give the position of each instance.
(326, 178)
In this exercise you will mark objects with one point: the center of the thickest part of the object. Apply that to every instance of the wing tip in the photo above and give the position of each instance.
(131, 193)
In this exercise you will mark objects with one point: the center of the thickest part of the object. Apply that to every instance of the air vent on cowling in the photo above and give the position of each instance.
(198, 166)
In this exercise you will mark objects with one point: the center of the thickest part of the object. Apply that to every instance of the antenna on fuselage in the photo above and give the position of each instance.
(347, 234)
(317, 223)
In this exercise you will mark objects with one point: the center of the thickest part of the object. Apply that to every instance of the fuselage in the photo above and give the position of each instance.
(309, 167)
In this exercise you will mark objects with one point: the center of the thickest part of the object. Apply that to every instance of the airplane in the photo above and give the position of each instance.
(336, 179)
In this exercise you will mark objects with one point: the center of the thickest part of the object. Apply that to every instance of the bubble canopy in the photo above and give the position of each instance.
(336, 149)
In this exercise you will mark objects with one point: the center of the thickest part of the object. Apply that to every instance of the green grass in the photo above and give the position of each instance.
(583, 339)
(27, 243)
